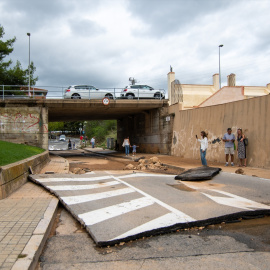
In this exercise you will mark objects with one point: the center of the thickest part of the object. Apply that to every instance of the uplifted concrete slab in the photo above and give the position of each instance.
(119, 207)
(198, 174)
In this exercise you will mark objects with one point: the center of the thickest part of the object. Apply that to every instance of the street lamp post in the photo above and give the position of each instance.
(219, 65)
(28, 34)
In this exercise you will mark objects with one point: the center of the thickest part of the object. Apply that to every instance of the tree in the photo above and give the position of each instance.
(13, 75)
(56, 126)
(100, 129)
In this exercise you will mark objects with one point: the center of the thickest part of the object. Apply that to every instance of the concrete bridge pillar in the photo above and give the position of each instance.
(20, 123)
(151, 131)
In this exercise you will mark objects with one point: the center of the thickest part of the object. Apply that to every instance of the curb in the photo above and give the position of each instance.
(35, 245)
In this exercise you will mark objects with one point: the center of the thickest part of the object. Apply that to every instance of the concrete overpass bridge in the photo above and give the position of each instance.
(77, 110)
(144, 121)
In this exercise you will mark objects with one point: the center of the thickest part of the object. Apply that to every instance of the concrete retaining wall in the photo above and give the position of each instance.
(14, 175)
(252, 115)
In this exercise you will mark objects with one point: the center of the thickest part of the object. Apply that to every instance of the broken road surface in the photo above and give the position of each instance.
(115, 207)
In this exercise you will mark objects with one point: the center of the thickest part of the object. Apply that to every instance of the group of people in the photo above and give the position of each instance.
(230, 147)
(126, 144)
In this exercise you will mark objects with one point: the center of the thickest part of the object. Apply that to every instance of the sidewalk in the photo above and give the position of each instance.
(25, 221)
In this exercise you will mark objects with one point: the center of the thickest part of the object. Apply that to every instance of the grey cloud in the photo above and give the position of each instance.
(86, 28)
(64, 51)
(166, 17)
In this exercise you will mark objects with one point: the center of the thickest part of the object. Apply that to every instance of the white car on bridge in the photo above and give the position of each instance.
(87, 92)
(142, 91)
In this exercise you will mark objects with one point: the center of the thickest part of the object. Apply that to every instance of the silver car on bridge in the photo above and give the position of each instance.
(87, 92)
(142, 91)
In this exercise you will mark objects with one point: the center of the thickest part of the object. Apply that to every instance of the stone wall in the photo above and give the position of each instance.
(24, 124)
(252, 115)
(152, 131)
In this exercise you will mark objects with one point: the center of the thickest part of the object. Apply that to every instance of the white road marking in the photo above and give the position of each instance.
(70, 200)
(236, 201)
(96, 216)
(145, 174)
(49, 180)
(170, 208)
(83, 187)
(160, 222)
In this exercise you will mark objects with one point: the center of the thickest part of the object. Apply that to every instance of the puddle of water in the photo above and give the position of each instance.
(182, 187)
(257, 227)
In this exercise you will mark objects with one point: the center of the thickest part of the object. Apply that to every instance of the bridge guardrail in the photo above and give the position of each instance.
(58, 92)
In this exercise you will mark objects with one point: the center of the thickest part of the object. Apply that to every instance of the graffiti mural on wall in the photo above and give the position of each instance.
(22, 123)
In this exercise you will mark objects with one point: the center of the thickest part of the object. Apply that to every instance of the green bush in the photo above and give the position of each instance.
(101, 130)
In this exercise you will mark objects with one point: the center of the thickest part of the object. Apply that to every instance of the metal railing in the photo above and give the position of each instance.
(61, 92)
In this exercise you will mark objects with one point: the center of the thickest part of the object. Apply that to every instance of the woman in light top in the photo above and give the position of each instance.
(126, 144)
(203, 148)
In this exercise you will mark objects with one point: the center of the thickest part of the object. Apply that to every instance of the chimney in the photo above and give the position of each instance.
(170, 79)
(231, 80)
(216, 81)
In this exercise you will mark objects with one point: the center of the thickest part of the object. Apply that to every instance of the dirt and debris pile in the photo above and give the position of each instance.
(130, 167)
(80, 171)
(239, 171)
(151, 164)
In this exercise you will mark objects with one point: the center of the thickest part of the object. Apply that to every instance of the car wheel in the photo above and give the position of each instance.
(76, 96)
(110, 96)
(157, 96)
(130, 96)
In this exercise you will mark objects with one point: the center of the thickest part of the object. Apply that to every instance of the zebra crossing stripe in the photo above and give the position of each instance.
(160, 222)
(49, 180)
(170, 208)
(83, 187)
(96, 216)
(70, 200)
(143, 175)
(235, 201)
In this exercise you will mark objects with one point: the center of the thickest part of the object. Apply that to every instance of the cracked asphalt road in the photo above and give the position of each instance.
(241, 245)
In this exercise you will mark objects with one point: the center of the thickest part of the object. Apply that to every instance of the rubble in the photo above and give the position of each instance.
(154, 160)
(151, 164)
(198, 174)
(130, 167)
(239, 171)
(78, 171)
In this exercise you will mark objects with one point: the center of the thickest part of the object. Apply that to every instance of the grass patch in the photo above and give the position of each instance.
(12, 152)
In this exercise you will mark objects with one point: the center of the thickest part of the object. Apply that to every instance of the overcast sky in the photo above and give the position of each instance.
(104, 42)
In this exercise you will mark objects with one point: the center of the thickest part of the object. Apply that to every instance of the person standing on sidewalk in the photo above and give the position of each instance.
(241, 148)
(204, 146)
(81, 139)
(229, 140)
(93, 141)
(126, 144)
